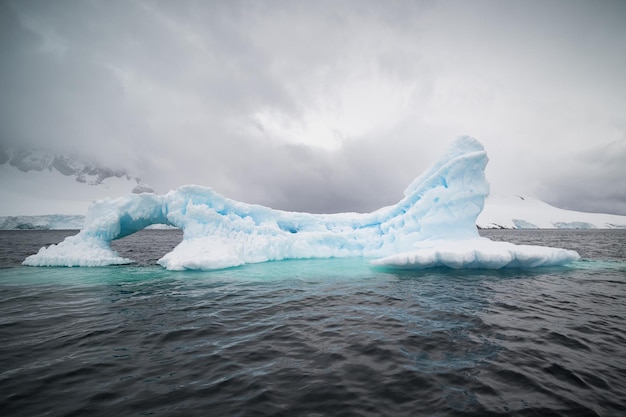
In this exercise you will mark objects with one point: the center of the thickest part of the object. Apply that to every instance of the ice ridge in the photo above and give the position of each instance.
(432, 225)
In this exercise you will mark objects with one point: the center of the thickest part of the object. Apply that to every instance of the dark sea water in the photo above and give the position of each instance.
(313, 337)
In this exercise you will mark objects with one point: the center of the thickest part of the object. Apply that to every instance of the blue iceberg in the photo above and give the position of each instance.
(434, 225)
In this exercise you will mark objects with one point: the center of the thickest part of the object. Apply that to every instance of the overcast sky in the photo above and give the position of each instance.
(324, 106)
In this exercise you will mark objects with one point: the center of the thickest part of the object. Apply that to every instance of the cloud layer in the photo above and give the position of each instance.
(324, 106)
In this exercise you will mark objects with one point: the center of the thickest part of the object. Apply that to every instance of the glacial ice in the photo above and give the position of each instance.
(432, 225)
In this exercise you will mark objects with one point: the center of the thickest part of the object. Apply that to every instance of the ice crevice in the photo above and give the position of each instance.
(433, 225)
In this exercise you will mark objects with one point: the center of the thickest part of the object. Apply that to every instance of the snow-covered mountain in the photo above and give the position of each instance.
(38, 183)
(517, 212)
(49, 222)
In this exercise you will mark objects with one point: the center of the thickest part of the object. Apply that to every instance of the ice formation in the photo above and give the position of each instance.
(433, 225)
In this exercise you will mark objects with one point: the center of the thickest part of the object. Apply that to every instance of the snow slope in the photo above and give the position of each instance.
(518, 212)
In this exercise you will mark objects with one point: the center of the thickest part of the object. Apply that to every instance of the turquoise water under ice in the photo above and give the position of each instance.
(313, 337)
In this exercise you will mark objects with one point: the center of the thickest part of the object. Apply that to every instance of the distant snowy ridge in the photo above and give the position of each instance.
(519, 212)
(89, 173)
(512, 212)
(49, 222)
(53, 222)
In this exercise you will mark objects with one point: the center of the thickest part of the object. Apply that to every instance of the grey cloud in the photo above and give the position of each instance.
(593, 181)
(168, 91)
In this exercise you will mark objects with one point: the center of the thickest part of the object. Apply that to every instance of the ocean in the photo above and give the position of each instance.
(332, 337)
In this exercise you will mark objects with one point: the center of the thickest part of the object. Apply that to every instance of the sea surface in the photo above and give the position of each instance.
(328, 337)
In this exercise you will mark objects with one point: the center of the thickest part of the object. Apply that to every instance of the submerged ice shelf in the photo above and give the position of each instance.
(433, 225)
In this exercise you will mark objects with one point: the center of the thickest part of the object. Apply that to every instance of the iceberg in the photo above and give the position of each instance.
(433, 225)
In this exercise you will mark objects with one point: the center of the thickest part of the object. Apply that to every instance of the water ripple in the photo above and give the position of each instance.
(302, 339)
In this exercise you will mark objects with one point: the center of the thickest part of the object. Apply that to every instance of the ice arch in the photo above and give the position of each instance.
(433, 225)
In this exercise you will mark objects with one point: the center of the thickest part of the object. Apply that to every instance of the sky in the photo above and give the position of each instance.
(324, 106)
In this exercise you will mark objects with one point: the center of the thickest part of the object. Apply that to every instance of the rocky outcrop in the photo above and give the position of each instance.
(83, 172)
